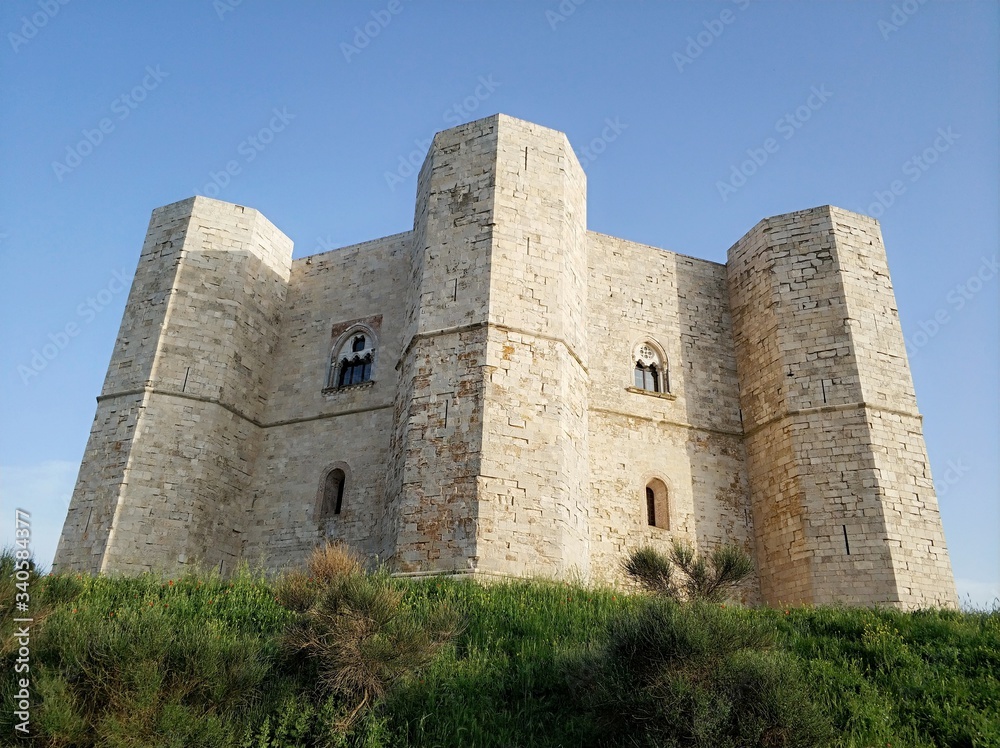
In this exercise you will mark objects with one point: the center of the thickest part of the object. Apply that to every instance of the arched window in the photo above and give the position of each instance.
(333, 493)
(657, 506)
(651, 373)
(353, 360)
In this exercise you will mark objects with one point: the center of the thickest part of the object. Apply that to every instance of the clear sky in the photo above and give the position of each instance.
(698, 120)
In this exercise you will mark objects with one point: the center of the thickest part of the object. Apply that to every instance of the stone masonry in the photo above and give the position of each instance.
(503, 425)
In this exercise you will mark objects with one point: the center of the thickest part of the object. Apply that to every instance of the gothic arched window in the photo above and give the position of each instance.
(353, 361)
(651, 373)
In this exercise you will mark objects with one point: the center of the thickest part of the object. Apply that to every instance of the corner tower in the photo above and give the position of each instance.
(844, 506)
(176, 435)
(489, 469)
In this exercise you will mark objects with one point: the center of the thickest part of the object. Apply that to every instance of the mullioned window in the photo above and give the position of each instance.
(353, 361)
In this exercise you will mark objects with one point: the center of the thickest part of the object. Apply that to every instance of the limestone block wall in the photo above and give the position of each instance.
(186, 385)
(501, 432)
(309, 428)
(533, 502)
(690, 437)
(85, 530)
(914, 534)
(437, 433)
(88, 521)
(800, 396)
(805, 296)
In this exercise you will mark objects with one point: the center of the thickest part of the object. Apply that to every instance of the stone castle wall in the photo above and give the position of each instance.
(691, 438)
(501, 432)
(311, 429)
(837, 466)
(534, 502)
(166, 473)
(437, 436)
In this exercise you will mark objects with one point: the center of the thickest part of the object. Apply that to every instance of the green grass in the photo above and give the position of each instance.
(128, 659)
(928, 678)
(508, 679)
(198, 661)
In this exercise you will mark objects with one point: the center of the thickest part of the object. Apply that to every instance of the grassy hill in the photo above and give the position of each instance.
(202, 661)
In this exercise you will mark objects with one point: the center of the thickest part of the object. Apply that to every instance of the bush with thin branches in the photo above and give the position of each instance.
(361, 636)
(701, 676)
(681, 574)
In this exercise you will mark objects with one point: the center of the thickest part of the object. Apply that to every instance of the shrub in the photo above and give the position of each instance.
(328, 564)
(697, 675)
(652, 570)
(360, 635)
(296, 591)
(20, 583)
(332, 562)
(697, 578)
(196, 661)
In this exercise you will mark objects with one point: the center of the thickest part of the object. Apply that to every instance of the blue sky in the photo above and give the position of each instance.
(721, 113)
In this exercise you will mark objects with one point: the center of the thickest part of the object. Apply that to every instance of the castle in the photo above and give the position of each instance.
(502, 392)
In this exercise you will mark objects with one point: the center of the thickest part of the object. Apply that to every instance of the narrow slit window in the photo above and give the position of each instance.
(340, 496)
(650, 507)
(333, 493)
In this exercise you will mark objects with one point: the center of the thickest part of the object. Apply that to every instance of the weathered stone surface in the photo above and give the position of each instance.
(844, 507)
(166, 476)
(502, 430)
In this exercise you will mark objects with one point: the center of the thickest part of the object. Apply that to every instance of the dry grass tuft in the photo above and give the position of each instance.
(331, 562)
(359, 630)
